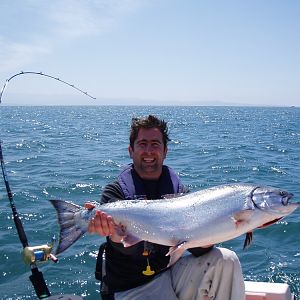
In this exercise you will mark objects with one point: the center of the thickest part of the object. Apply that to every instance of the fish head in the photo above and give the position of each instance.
(273, 201)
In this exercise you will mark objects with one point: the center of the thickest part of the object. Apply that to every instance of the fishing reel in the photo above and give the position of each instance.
(39, 253)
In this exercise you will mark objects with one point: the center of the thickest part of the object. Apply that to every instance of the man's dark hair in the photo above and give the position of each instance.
(147, 123)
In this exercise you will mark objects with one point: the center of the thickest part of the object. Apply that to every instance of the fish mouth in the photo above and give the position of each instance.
(270, 223)
(286, 197)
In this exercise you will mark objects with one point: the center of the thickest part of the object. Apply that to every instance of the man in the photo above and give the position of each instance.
(140, 271)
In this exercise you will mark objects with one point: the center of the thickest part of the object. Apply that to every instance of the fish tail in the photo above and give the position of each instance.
(69, 231)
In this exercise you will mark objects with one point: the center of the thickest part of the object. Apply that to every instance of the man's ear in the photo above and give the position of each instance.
(130, 150)
(166, 151)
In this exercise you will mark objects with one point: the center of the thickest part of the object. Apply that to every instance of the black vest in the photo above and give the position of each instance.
(134, 187)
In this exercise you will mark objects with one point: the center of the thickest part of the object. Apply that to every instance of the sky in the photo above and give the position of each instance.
(151, 52)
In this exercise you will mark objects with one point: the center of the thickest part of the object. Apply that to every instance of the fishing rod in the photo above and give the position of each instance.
(31, 254)
(42, 74)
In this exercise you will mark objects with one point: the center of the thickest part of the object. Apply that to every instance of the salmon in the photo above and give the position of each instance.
(198, 219)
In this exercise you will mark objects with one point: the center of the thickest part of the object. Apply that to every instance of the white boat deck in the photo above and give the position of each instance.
(254, 291)
(268, 291)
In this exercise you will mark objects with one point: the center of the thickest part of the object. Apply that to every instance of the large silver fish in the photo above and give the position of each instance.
(197, 219)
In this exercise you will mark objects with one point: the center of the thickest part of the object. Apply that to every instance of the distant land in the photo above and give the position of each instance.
(74, 99)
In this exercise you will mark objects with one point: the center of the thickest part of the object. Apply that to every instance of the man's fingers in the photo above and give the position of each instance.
(111, 225)
(102, 224)
(105, 221)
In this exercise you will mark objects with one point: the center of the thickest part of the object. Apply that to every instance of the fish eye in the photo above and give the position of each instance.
(282, 193)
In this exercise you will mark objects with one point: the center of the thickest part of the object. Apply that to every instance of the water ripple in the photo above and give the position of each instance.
(73, 152)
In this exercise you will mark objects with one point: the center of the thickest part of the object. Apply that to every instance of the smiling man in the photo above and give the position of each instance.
(140, 271)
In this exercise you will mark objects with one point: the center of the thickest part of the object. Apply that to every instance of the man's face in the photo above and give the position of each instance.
(148, 153)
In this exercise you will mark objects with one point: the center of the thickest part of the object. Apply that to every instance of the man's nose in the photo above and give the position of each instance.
(149, 148)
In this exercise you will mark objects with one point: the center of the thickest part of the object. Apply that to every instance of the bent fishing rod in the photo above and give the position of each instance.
(34, 254)
(42, 74)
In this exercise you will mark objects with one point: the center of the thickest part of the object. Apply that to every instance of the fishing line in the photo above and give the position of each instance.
(34, 254)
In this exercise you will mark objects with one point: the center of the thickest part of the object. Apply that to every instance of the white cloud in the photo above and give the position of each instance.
(14, 55)
(51, 23)
(75, 19)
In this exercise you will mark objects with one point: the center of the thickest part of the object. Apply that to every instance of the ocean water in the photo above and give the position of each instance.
(71, 153)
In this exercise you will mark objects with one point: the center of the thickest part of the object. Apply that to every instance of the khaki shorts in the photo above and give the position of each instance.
(215, 275)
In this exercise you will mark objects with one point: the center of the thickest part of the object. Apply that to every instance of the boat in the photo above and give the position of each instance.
(254, 291)
(268, 291)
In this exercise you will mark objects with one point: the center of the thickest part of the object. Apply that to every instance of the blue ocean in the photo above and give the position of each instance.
(72, 152)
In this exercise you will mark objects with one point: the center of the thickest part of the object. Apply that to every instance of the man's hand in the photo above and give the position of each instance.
(103, 224)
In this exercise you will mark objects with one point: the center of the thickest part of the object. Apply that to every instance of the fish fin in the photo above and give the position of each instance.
(130, 240)
(242, 216)
(248, 239)
(175, 252)
(69, 232)
(120, 230)
(127, 238)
